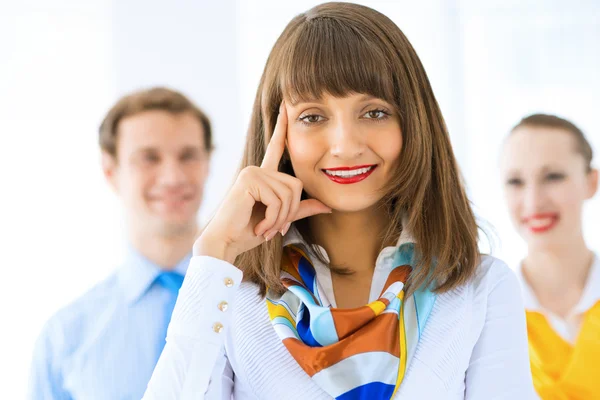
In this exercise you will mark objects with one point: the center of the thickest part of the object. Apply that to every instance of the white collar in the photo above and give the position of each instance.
(589, 296)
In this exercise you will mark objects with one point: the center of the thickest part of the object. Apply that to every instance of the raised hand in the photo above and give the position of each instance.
(261, 203)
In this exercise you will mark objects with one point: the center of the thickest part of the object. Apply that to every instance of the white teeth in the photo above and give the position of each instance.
(348, 174)
(540, 222)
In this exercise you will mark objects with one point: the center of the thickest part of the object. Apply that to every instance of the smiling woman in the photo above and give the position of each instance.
(350, 226)
(547, 166)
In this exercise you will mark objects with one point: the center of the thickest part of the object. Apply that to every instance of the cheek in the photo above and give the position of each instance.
(387, 145)
(304, 152)
(513, 201)
(137, 182)
(197, 173)
(568, 198)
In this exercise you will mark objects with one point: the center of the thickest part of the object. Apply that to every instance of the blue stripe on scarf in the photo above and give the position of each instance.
(303, 329)
(371, 391)
(307, 273)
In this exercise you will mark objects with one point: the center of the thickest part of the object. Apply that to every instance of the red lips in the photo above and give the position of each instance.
(534, 224)
(349, 179)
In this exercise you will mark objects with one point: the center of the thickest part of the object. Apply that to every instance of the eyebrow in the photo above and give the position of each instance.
(151, 149)
(145, 149)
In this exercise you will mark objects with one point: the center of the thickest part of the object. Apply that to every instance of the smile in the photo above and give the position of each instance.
(541, 223)
(348, 175)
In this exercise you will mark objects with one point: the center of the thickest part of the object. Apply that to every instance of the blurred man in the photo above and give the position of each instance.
(156, 146)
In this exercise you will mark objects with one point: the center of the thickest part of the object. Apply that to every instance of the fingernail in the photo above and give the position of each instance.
(285, 228)
(270, 236)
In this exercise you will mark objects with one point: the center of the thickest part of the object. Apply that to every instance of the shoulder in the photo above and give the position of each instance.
(494, 276)
(495, 293)
(69, 324)
(493, 284)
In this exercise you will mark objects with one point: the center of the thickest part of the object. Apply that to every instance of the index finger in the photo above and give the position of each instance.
(276, 146)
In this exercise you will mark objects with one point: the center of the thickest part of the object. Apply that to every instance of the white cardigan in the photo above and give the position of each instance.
(474, 345)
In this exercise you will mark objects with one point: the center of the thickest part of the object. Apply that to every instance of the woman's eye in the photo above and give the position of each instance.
(555, 177)
(376, 114)
(311, 119)
(514, 182)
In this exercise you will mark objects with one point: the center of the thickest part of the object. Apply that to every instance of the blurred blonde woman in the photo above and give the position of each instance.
(548, 176)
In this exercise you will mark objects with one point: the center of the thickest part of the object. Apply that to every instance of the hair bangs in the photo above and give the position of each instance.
(328, 56)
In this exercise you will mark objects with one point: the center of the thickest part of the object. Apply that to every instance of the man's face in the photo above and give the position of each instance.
(160, 169)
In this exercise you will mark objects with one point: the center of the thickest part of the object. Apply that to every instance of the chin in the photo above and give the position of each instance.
(174, 227)
(349, 204)
(180, 218)
(544, 241)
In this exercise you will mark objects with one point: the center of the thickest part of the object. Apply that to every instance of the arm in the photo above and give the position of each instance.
(499, 365)
(45, 380)
(193, 364)
(193, 353)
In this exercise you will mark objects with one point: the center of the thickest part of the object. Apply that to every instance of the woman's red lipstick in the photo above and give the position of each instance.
(537, 227)
(348, 175)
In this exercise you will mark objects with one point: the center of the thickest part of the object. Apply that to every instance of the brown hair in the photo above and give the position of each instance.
(583, 147)
(158, 98)
(342, 48)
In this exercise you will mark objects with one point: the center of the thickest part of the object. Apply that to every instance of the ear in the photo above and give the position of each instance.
(592, 183)
(109, 169)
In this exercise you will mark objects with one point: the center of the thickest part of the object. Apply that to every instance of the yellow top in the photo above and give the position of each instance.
(562, 371)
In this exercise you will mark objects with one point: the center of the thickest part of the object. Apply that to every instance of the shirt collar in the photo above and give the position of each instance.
(589, 296)
(530, 301)
(591, 291)
(138, 273)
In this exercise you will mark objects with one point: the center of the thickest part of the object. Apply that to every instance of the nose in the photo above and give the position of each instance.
(171, 173)
(346, 141)
(534, 199)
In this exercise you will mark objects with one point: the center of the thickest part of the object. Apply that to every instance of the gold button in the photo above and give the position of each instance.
(228, 282)
(223, 306)
(218, 327)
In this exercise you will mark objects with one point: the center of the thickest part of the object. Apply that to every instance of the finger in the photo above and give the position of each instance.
(311, 207)
(295, 186)
(276, 145)
(285, 194)
(262, 192)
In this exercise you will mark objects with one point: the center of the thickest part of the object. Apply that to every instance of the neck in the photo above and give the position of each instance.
(164, 250)
(352, 240)
(558, 268)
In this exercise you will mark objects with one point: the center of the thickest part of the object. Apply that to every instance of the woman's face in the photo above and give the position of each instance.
(546, 183)
(345, 149)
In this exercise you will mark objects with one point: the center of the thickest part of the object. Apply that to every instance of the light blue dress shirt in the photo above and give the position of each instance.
(105, 344)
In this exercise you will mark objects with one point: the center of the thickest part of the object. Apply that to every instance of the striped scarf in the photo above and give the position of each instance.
(359, 353)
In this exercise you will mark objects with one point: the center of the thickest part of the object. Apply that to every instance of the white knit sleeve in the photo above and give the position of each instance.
(193, 364)
(499, 364)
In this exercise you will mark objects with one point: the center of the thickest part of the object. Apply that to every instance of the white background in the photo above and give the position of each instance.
(64, 62)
